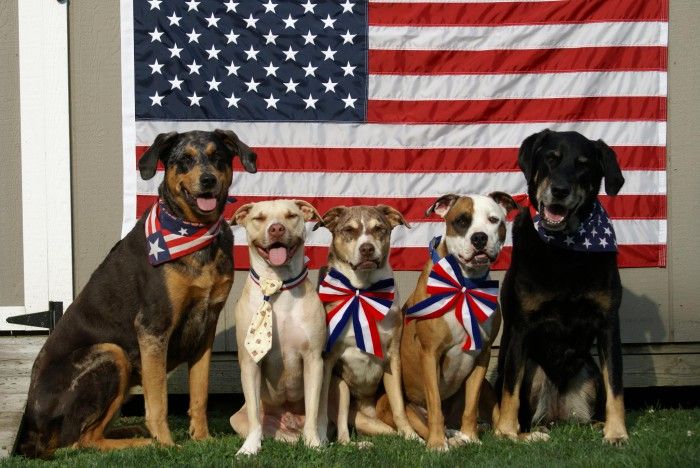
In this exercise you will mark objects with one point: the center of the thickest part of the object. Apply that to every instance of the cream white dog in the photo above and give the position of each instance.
(365, 322)
(280, 329)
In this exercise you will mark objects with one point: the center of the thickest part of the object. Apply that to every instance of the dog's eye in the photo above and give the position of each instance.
(379, 231)
(348, 230)
(291, 216)
(259, 218)
(493, 219)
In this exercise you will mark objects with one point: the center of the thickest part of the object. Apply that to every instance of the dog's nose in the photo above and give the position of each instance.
(560, 191)
(276, 230)
(366, 250)
(479, 240)
(207, 180)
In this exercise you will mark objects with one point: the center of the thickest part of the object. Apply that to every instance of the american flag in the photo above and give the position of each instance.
(358, 102)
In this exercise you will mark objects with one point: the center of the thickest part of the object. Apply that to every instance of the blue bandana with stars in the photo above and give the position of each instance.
(595, 234)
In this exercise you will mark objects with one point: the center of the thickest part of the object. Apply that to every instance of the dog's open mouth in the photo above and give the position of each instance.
(554, 216)
(277, 254)
(205, 202)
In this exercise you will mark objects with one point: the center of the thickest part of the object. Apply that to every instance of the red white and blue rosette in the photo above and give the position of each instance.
(366, 307)
(473, 301)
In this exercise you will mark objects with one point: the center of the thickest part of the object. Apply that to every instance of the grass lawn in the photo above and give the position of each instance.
(661, 437)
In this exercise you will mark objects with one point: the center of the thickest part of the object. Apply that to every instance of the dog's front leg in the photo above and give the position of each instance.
(513, 372)
(313, 381)
(436, 420)
(394, 392)
(468, 432)
(610, 352)
(199, 390)
(328, 364)
(250, 381)
(154, 351)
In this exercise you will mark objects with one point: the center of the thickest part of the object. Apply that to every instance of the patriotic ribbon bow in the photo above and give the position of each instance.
(366, 307)
(170, 237)
(473, 301)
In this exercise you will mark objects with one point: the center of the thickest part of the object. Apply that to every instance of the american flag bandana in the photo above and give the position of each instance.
(170, 237)
(366, 307)
(595, 234)
(473, 301)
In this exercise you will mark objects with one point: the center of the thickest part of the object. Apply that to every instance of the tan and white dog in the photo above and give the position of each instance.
(280, 329)
(365, 321)
(442, 377)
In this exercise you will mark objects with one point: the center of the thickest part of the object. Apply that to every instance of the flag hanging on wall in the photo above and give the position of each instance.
(367, 102)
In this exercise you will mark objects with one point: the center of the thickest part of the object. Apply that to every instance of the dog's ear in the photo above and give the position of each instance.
(239, 217)
(159, 150)
(442, 205)
(330, 219)
(310, 213)
(394, 216)
(611, 168)
(526, 155)
(505, 200)
(236, 146)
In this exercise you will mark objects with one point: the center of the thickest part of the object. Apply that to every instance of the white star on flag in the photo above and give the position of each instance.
(290, 54)
(213, 52)
(155, 67)
(232, 69)
(348, 70)
(231, 6)
(194, 99)
(193, 36)
(308, 7)
(310, 70)
(603, 242)
(348, 38)
(232, 38)
(310, 102)
(569, 240)
(250, 21)
(271, 70)
(309, 38)
(329, 54)
(252, 53)
(289, 22)
(194, 68)
(233, 101)
(349, 101)
(192, 5)
(175, 51)
(271, 101)
(347, 6)
(174, 19)
(269, 6)
(330, 85)
(175, 83)
(213, 84)
(155, 4)
(182, 231)
(291, 86)
(270, 38)
(155, 99)
(155, 35)
(587, 243)
(212, 21)
(328, 22)
(252, 84)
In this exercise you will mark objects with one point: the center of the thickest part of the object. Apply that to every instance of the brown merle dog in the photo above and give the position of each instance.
(133, 322)
(557, 300)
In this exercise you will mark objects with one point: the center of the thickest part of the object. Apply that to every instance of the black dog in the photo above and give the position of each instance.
(562, 292)
(139, 317)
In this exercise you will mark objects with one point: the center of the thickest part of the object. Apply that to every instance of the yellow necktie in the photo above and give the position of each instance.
(258, 340)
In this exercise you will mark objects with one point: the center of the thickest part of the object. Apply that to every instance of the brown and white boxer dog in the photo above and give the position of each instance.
(452, 319)
(280, 329)
(364, 320)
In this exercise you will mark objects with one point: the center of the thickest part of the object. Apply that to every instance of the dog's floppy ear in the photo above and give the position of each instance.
(330, 218)
(393, 215)
(505, 200)
(611, 168)
(159, 150)
(239, 217)
(442, 205)
(526, 155)
(236, 146)
(310, 213)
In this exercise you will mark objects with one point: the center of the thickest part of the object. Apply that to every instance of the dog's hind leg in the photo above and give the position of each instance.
(99, 390)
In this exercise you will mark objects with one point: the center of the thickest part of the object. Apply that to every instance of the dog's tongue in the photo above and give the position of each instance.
(206, 204)
(554, 213)
(278, 255)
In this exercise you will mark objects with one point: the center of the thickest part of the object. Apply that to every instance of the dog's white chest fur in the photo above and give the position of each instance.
(363, 371)
(458, 363)
(298, 326)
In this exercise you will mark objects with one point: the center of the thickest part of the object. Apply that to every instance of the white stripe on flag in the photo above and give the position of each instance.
(628, 231)
(541, 36)
(391, 184)
(361, 135)
(514, 86)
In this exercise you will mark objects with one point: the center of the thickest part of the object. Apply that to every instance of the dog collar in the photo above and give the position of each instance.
(473, 300)
(169, 237)
(595, 234)
(366, 306)
(286, 284)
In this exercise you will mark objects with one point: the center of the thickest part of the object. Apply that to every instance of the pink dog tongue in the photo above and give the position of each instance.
(552, 216)
(206, 204)
(278, 255)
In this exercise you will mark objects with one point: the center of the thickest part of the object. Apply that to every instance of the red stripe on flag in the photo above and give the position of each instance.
(455, 62)
(419, 160)
(507, 13)
(413, 209)
(518, 110)
(414, 258)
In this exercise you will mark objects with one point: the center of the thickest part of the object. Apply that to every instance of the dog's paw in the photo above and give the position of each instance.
(615, 437)
(535, 436)
(506, 433)
(251, 446)
(438, 444)
(408, 433)
(199, 432)
(457, 438)
(312, 441)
